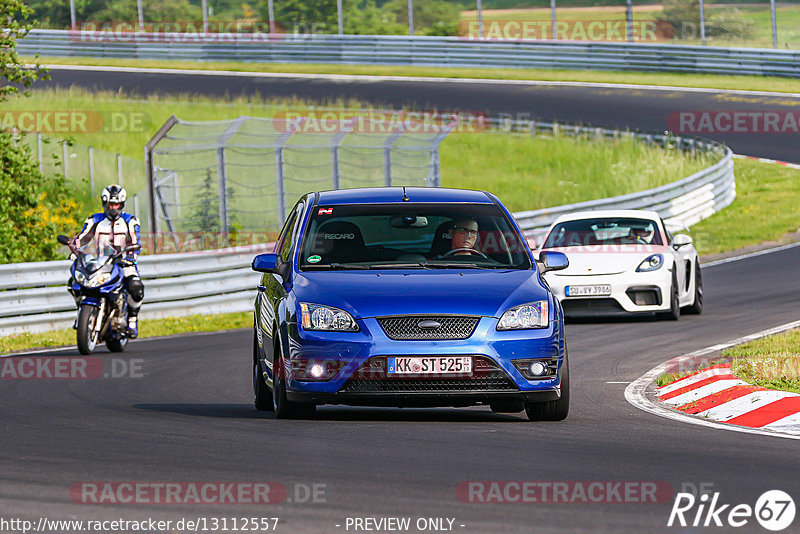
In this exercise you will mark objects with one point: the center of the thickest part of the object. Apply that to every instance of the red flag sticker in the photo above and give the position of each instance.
(325, 211)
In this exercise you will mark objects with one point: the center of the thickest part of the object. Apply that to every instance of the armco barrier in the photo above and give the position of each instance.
(421, 50)
(219, 281)
(681, 204)
(33, 296)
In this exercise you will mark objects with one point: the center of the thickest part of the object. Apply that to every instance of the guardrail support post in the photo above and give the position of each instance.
(774, 24)
(702, 23)
(222, 191)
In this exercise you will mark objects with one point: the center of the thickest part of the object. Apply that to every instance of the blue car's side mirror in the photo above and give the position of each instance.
(553, 261)
(266, 263)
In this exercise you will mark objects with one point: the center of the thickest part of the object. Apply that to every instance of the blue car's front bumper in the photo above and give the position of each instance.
(493, 350)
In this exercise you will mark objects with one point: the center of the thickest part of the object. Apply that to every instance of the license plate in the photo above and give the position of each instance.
(587, 291)
(430, 365)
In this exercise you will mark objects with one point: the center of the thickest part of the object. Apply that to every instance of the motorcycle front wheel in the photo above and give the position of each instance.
(87, 337)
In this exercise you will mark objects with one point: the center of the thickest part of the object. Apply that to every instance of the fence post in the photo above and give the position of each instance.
(39, 144)
(279, 185)
(91, 170)
(65, 156)
(222, 181)
(119, 169)
(702, 22)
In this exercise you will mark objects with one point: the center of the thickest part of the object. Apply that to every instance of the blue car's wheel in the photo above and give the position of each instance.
(262, 396)
(556, 410)
(284, 408)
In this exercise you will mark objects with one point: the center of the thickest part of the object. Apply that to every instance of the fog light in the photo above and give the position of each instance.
(537, 368)
(316, 370)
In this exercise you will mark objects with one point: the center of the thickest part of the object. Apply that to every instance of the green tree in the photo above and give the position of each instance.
(14, 14)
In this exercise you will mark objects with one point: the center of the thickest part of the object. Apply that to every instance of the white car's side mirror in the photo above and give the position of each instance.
(681, 240)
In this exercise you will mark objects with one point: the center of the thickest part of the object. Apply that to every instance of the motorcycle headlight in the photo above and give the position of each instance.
(98, 280)
(80, 278)
(651, 263)
(318, 317)
(531, 315)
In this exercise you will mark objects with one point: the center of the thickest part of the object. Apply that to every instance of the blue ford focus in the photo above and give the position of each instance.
(407, 297)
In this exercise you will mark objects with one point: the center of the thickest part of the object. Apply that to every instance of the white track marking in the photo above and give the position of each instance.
(385, 78)
(750, 255)
(635, 392)
(742, 405)
(787, 424)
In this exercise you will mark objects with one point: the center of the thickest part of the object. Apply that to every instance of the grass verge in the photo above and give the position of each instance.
(765, 209)
(525, 172)
(709, 81)
(147, 328)
(772, 362)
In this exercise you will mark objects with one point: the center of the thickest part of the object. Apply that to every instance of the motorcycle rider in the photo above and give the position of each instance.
(119, 229)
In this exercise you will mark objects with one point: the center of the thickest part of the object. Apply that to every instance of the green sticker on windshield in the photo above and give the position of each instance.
(314, 259)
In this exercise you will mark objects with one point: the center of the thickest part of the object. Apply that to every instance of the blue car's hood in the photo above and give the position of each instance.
(468, 292)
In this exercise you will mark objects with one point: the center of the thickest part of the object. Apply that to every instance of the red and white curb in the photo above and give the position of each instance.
(716, 394)
(715, 398)
(767, 160)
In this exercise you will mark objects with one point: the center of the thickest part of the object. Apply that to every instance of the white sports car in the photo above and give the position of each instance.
(623, 261)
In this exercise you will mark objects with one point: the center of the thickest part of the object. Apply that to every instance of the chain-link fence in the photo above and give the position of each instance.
(240, 175)
(88, 170)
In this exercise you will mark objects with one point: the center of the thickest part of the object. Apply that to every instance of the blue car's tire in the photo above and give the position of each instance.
(284, 408)
(262, 395)
(556, 410)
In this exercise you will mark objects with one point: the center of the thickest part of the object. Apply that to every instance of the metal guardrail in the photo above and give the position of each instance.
(221, 281)
(422, 50)
(680, 204)
(217, 281)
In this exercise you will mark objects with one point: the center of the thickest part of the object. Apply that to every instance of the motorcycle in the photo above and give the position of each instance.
(98, 287)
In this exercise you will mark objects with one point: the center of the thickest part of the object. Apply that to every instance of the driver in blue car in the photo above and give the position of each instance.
(463, 236)
(116, 228)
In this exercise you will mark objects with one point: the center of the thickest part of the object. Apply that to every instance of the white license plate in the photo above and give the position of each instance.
(429, 365)
(587, 291)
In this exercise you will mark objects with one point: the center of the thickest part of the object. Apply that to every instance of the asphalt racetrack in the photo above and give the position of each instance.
(184, 414)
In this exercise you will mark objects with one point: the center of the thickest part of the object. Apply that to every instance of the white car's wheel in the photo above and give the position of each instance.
(697, 306)
(675, 307)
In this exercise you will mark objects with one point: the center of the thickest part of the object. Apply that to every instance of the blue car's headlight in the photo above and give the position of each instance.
(651, 263)
(531, 315)
(318, 317)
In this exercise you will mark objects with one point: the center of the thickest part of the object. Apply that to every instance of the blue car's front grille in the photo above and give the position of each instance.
(418, 327)
(371, 377)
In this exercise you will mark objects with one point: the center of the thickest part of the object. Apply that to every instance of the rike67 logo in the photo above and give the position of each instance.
(774, 510)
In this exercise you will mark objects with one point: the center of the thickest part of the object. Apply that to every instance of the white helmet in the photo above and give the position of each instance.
(113, 198)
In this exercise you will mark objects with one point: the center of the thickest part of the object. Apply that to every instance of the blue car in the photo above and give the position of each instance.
(404, 296)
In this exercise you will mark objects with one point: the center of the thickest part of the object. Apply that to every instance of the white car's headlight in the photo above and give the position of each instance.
(318, 317)
(651, 263)
(531, 315)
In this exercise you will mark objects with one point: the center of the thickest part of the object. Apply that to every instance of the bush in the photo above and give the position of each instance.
(33, 209)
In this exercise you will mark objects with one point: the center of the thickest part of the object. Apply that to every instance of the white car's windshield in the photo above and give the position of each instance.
(414, 236)
(604, 231)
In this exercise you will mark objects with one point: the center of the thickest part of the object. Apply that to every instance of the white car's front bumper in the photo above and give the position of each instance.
(631, 292)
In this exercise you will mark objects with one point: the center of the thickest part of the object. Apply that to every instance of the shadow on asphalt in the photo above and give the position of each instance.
(343, 413)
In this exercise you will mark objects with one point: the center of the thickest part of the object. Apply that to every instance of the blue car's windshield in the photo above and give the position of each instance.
(422, 236)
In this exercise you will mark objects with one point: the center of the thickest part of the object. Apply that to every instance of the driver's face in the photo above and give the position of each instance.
(464, 234)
